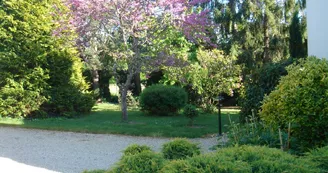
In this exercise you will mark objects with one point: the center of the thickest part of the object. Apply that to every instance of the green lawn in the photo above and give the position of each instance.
(106, 119)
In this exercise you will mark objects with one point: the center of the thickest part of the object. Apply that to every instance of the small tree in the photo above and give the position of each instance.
(190, 112)
(128, 31)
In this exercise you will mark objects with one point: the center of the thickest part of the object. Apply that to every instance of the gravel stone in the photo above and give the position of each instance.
(68, 152)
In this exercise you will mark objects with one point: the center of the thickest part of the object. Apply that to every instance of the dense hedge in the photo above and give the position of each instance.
(40, 74)
(162, 99)
(301, 99)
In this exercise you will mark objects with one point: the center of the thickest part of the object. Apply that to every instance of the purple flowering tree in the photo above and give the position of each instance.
(127, 33)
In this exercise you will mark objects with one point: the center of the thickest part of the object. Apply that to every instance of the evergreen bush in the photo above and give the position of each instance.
(180, 149)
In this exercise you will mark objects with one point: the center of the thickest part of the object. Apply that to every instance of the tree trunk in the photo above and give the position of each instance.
(137, 85)
(104, 77)
(232, 6)
(95, 83)
(266, 55)
(124, 106)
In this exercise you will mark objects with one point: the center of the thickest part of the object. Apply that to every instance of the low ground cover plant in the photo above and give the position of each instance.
(239, 159)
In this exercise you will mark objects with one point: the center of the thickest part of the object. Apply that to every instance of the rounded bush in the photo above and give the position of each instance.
(301, 99)
(144, 162)
(135, 149)
(162, 99)
(180, 149)
(190, 112)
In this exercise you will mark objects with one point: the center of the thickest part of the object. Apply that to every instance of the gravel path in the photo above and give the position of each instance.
(68, 152)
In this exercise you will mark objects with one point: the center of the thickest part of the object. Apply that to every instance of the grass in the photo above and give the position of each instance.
(106, 119)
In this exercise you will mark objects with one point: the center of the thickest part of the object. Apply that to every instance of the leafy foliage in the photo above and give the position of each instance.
(301, 99)
(180, 149)
(162, 99)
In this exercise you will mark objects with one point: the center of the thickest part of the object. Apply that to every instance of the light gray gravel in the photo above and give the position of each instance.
(70, 152)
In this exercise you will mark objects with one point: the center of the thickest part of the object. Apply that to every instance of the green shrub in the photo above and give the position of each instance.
(162, 100)
(320, 157)
(190, 112)
(136, 149)
(180, 149)
(301, 99)
(267, 160)
(144, 162)
(69, 102)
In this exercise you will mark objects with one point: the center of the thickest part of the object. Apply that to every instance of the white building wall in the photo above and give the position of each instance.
(317, 27)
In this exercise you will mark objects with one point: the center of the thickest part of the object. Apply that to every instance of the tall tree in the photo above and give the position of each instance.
(129, 32)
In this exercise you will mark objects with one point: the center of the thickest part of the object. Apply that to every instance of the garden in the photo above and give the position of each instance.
(167, 68)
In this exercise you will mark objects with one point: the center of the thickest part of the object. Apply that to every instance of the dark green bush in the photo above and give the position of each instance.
(301, 99)
(191, 112)
(260, 83)
(144, 162)
(320, 157)
(136, 149)
(180, 149)
(162, 99)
